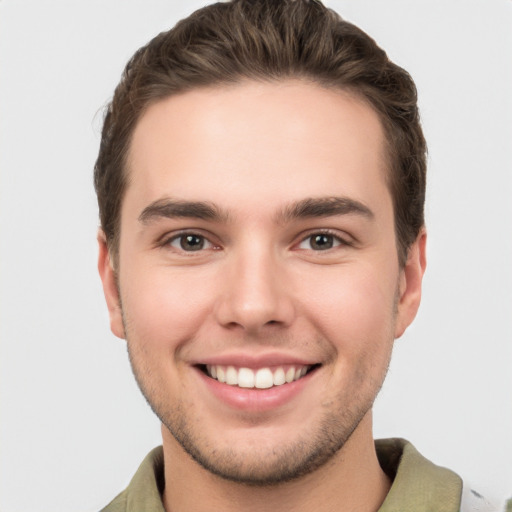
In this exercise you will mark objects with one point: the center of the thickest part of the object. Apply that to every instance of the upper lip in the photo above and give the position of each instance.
(241, 360)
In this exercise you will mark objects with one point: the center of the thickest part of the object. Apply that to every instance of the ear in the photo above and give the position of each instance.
(411, 277)
(108, 279)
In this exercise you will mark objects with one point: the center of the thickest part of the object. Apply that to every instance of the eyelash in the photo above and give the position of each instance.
(180, 237)
(337, 241)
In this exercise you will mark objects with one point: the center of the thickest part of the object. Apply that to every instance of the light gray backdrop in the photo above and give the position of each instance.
(74, 427)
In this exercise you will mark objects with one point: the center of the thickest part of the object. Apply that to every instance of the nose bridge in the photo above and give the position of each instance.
(255, 292)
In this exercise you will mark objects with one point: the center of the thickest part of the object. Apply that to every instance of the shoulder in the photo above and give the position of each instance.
(420, 485)
(118, 504)
(145, 488)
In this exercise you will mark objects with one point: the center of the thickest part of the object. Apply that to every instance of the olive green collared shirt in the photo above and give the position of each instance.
(418, 484)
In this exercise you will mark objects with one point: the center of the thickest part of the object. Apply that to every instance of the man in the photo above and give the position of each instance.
(261, 181)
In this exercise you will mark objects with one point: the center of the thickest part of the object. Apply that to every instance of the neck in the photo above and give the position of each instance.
(351, 480)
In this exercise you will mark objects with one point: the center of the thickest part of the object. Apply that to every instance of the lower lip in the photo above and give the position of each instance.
(253, 399)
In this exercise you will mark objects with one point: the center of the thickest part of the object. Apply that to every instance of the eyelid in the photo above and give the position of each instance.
(166, 239)
(343, 239)
(206, 243)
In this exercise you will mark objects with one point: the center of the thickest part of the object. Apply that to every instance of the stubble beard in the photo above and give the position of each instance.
(277, 464)
(266, 467)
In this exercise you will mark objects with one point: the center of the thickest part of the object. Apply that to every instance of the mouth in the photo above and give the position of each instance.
(257, 378)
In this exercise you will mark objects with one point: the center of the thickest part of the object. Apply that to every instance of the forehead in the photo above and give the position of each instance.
(274, 140)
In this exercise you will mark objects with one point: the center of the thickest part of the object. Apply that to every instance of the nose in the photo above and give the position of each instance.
(255, 293)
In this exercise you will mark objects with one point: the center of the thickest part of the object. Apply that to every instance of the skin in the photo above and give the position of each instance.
(259, 289)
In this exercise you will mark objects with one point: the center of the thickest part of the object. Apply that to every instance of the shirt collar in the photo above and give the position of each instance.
(418, 484)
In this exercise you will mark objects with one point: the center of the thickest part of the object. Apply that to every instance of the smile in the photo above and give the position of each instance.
(261, 378)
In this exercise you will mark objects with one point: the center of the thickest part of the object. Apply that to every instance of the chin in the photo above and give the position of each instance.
(265, 461)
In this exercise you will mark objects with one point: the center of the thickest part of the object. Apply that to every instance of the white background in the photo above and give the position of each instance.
(74, 427)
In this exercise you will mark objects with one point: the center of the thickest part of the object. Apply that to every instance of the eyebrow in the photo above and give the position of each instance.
(324, 207)
(175, 208)
(305, 208)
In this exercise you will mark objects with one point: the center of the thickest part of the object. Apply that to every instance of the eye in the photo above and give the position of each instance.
(321, 242)
(190, 242)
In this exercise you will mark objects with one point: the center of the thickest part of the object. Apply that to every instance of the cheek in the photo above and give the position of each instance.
(162, 306)
(354, 309)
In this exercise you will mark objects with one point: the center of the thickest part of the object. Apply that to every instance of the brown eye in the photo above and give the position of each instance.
(322, 242)
(190, 242)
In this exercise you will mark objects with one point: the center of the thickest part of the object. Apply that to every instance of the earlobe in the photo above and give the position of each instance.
(411, 278)
(110, 289)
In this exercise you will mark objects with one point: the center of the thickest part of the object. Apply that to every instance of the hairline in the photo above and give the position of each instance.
(350, 91)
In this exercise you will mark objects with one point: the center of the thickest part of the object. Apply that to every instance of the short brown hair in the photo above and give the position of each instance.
(267, 40)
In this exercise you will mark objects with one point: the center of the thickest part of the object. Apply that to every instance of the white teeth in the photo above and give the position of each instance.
(263, 378)
(279, 377)
(245, 378)
(221, 375)
(231, 376)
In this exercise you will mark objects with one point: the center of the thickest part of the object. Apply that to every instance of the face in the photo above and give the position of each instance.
(259, 288)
